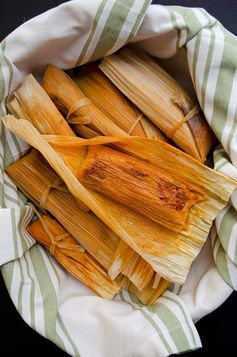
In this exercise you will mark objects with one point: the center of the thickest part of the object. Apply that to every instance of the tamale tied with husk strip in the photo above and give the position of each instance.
(72, 256)
(105, 95)
(161, 99)
(78, 109)
(169, 252)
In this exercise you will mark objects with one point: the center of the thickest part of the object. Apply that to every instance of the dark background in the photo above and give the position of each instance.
(217, 330)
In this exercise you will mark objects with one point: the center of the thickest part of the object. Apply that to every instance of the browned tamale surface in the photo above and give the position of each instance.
(138, 185)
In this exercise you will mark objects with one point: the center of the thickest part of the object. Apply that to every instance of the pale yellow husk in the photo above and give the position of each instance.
(127, 262)
(149, 295)
(161, 99)
(46, 116)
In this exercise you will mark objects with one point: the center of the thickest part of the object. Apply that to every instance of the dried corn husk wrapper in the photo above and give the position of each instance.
(82, 33)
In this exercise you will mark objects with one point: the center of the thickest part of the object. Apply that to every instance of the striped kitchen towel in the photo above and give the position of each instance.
(49, 300)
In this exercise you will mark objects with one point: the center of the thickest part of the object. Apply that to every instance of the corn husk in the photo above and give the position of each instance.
(78, 109)
(141, 274)
(128, 263)
(104, 94)
(147, 296)
(72, 256)
(169, 253)
(161, 99)
(46, 116)
(31, 102)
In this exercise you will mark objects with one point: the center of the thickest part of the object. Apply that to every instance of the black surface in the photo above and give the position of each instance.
(217, 330)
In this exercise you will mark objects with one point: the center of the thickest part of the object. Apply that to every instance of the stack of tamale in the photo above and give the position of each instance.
(140, 208)
(40, 183)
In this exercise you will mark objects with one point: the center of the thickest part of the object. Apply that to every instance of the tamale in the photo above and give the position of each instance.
(161, 99)
(78, 109)
(105, 95)
(72, 256)
(169, 253)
